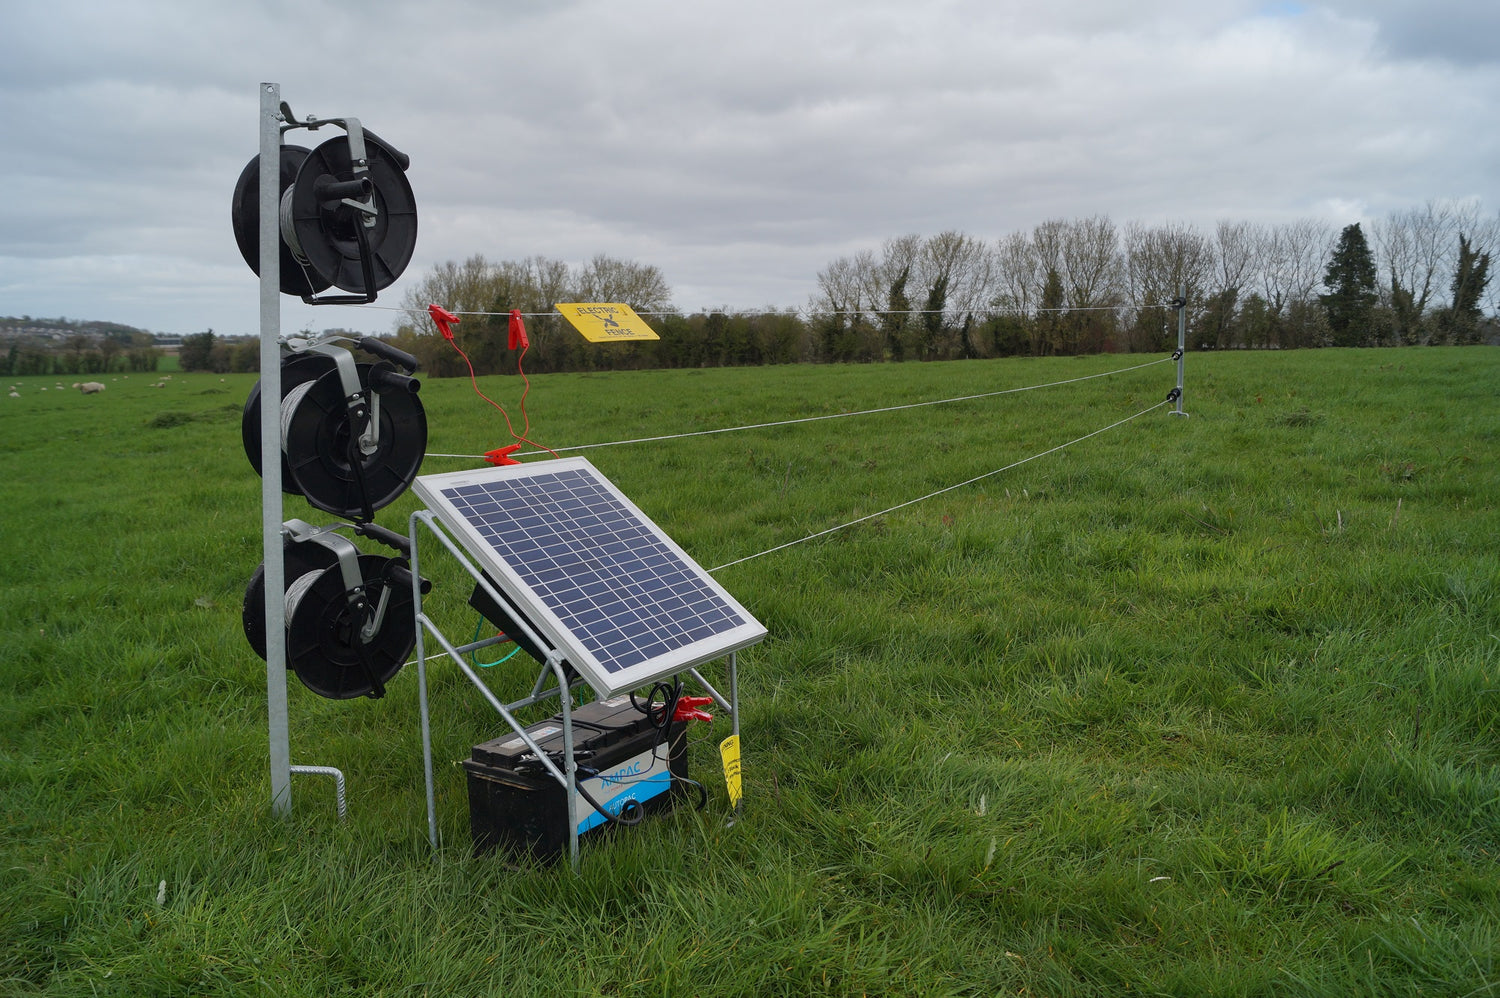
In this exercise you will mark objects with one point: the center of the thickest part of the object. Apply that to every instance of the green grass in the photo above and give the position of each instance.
(1198, 706)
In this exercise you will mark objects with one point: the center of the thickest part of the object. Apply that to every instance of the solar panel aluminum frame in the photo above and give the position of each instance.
(543, 616)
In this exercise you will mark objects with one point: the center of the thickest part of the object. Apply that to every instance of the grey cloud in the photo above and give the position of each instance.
(739, 148)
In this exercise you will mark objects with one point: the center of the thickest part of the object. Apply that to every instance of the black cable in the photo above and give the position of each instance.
(659, 716)
(618, 819)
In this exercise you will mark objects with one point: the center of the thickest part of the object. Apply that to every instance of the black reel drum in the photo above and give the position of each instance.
(327, 231)
(321, 219)
(322, 454)
(245, 217)
(298, 558)
(324, 642)
(295, 370)
(317, 425)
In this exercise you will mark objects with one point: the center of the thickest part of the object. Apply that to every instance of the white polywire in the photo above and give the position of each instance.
(814, 419)
(909, 502)
(948, 488)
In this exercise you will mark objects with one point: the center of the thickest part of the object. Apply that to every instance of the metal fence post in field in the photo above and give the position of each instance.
(1180, 304)
(270, 443)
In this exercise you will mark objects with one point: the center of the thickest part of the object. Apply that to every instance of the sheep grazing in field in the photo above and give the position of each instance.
(90, 387)
(15, 394)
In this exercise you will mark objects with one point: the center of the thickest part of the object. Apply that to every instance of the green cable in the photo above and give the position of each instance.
(486, 665)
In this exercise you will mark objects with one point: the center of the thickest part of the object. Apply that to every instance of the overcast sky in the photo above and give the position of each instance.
(738, 147)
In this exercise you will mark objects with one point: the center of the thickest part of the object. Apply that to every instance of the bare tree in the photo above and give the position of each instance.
(1414, 249)
(1292, 256)
(1089, 255)
(1019, 274)
(955, 273)
(1090, 258)
(1162, 262)
(1234, 257)
(457, 287)
(639, 285)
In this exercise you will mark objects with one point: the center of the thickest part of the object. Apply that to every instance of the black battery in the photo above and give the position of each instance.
(624, 761)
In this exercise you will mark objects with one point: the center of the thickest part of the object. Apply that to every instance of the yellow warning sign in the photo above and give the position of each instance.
(604, 323)
(729, 750)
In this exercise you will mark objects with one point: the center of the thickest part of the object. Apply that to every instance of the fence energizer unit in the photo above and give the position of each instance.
(578, 575)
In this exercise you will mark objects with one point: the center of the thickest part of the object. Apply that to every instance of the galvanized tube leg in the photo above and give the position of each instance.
(419, 624)
(570, 765)
(734, 693)
(278, 730)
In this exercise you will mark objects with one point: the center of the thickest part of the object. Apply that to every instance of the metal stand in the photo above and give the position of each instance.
(552, 671)
(271, 444)
(270, 447)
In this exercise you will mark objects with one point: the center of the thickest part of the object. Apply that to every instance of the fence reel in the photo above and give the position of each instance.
(349, 624)
(353, 434)
(347, 214)
(245, 216)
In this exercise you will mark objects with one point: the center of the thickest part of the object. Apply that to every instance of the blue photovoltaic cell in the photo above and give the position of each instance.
(626, 596)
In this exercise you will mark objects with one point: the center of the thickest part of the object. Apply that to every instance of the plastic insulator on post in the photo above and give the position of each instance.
(1177, 303)
(1177, 354)
(1174, 394)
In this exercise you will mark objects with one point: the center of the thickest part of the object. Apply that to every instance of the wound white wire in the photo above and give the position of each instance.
(948, 488)
(814, 419)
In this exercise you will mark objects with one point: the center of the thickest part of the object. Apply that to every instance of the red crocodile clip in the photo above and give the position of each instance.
(502, 455)
(518, 338)
(687, 709)
(444, 320)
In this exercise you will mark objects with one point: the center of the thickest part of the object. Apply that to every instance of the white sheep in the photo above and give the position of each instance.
(90, 387)
(15, 394)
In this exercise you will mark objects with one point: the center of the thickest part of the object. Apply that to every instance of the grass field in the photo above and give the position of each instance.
(1194, 707)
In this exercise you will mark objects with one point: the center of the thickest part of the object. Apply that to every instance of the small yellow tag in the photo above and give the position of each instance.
(601, 322)
(729, 750)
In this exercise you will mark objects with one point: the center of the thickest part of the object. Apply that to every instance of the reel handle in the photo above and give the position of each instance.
(384, 377)
(386, 536)
(330, 190)
(402, 160)
(398, 574)
(380, 348)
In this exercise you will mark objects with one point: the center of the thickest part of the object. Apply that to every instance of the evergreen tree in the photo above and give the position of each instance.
(1350, 279)
(196, 352)
(895, 321)
(1049, 317)
(1471, 275)
(932, 318)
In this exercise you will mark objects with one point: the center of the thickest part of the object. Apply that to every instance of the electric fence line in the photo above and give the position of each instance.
(947, 488)
(814, 419)
(805, 312)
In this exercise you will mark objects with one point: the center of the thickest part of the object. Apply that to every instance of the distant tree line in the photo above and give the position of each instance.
(206, 351)
(1083, 286)
(119, 349)
(1067, 286)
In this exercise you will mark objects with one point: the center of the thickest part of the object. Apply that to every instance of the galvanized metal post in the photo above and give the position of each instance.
(270, 447)
(1181, 305)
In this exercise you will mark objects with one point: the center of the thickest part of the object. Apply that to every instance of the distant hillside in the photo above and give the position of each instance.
(60, 328)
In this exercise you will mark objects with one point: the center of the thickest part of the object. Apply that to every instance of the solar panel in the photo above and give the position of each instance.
(594, 575)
